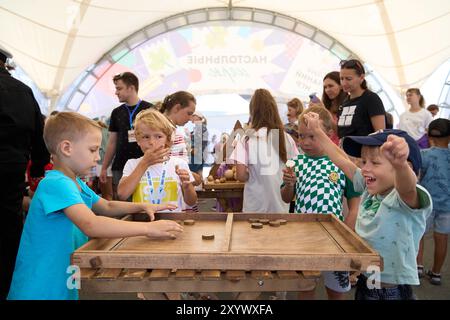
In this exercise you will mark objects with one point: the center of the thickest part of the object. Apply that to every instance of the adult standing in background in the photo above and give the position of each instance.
(415, 121)
(363, 112)
(332, 98)
(106, 189)
(122, 141)
(21, 136)
(199, 143)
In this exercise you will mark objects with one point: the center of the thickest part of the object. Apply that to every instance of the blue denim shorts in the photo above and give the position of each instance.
(439, 221)
(399, 292)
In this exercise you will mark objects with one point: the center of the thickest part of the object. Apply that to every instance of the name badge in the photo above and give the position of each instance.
(131, 136)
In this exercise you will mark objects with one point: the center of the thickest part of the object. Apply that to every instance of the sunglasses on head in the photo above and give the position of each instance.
(352, 64)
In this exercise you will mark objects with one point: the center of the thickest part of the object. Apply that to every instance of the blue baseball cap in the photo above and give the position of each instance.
(352, 145)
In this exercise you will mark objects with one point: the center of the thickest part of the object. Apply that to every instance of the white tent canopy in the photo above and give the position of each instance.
(54, 41)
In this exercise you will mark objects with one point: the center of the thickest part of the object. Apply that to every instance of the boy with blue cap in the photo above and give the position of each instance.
(394, 208)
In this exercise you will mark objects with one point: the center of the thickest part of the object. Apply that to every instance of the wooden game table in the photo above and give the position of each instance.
(240, 258)
(223, 192)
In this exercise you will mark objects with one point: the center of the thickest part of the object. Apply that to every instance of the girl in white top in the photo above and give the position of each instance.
(156, 177)
(261, 155)
(179, 107)
(415, 121)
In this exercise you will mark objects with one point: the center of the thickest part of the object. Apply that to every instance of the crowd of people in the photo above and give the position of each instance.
(395, 182)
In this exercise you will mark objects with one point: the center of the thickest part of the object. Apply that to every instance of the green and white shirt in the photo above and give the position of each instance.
(320, 186)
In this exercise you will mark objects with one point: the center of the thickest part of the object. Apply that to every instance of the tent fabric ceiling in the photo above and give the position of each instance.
(403, 40)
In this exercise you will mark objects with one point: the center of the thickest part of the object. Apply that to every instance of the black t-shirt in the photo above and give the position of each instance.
(120, 123)
(354, 114)
(21, 126)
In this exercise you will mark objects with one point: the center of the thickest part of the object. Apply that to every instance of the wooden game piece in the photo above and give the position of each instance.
(208, 236)
(222, 180)
(189, 222)
(264, 221)
(251, 220)
(257, 225)
(228, 174)
(210, 178)
(274, 223)
(217, 181)
(282, 221)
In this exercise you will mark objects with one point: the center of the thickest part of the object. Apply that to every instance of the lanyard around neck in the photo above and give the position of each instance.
(130, 114)
(162, 181)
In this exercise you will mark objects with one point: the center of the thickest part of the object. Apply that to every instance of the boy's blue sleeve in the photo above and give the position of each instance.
(95, 197)
(58, 194)
(425, 202)
(359, 184)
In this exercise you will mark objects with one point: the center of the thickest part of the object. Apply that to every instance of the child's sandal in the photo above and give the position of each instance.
(434, 278)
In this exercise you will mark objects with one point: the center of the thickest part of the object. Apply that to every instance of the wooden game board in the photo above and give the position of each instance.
(239, 259)
(307, 242)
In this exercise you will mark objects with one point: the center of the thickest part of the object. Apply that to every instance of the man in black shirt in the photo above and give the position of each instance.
(122, 142)
(21, 130)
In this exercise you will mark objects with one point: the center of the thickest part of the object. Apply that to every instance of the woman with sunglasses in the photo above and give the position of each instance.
(362, 112)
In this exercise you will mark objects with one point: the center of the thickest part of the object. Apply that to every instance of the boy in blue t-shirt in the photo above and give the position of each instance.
(393, 210)
(435, 177)
(65, 211)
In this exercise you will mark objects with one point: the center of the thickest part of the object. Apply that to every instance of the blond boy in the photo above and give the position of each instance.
(156, 177)
(63, 205)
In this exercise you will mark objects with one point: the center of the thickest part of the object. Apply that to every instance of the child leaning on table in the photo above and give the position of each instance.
(156, 177)
(319, 186)
(62, 204)
(394, 208)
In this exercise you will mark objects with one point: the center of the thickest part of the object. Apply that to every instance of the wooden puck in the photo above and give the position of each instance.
(257, 225)
(208, 236)
(251, 220)
(274, 223)
(282, 221)
(189, 222)
(264, 221)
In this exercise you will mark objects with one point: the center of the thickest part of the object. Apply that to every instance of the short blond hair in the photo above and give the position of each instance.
(155, 120)
(324, 115)
(69, 126)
